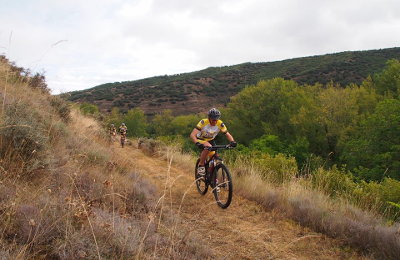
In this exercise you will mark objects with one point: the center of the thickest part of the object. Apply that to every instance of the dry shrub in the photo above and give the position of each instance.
(5, 251)
(86, 142)
(61, 107)
(24, 139)
(27, 223)
(86, 186)
(118, 237)
(178, 157)
(27, 121)
(143, 192)
(78, 244)
(166, 152)
(337, 219)
(357, 228)
(149, 146)
(7, 192)
(35, 226)
(254, 188)
(5, 254)
(15, 74)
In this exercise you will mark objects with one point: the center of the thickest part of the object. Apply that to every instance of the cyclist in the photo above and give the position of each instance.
(123, 129)
(113, 132)
(204, 133)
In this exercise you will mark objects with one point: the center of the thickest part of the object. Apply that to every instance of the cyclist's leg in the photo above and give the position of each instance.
(204, 153)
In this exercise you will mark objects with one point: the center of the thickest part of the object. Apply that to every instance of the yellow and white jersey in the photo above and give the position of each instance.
(209, 132)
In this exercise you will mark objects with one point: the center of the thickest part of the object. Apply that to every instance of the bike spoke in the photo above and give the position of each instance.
(223, 187)
(201, 184)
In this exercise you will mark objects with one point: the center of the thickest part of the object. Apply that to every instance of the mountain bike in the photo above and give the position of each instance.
(217, 176)
(112, 137)
(123, 138)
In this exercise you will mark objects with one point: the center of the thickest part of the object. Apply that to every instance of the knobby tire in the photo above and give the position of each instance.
(201, 184)
(223, 195)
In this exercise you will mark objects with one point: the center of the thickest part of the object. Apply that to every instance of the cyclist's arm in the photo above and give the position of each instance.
(229, 137)
(193, 135)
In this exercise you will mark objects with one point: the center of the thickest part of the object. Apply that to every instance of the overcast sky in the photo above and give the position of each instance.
(79, 44)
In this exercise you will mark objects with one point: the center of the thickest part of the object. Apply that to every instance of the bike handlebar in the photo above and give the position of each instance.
(218, 147)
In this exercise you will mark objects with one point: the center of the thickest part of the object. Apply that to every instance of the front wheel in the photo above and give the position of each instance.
(222, 186)
(201, 183)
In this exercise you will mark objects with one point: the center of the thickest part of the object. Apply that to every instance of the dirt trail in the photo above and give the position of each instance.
(243, 231)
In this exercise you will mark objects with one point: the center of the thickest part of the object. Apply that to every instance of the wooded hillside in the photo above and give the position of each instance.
(194, 92)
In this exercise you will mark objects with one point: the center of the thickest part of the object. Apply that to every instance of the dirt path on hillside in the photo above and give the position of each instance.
(243, 231)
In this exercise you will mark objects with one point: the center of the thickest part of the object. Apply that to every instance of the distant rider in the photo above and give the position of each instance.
(204, 133)
(113, 130)
(123, 129)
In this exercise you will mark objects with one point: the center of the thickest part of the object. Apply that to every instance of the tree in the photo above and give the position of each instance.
(373, 151)
(183, 125)
(161, 123)
(268, 144)
(136, 122)
(388, 81)
(89, 109)
(264, 109)
(337, 112)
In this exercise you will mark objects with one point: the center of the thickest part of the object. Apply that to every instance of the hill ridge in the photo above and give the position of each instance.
(194, 92)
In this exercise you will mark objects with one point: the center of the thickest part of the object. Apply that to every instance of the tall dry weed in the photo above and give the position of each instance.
(336, 218)
(64, 192)
(276, 187)
(28, 125)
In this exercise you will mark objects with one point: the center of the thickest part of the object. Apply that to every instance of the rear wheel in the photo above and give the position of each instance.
(201, 184)
(122, 141)
(222, 184)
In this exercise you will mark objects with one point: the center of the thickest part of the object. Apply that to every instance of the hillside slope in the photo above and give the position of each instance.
(194, 92)
(243, 231)
(66, 192)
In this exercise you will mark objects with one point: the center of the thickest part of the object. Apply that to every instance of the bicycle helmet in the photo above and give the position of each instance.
(112, 125)
(214, 114)
(123, 124)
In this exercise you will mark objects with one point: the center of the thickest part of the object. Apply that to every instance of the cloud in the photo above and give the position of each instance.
(80, 44)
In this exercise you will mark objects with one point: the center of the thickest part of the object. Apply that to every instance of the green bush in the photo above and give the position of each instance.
(267, 144)
(334, 181)
(89, 109)
(381, 197)
(386, 196)
(277, 169)
(25, 137)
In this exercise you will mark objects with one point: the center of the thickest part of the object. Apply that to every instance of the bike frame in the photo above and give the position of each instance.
(213, 157)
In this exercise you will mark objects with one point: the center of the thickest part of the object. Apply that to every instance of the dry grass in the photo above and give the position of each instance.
(336, 218)
(89, 207)
(65, 193)
(309, 207)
